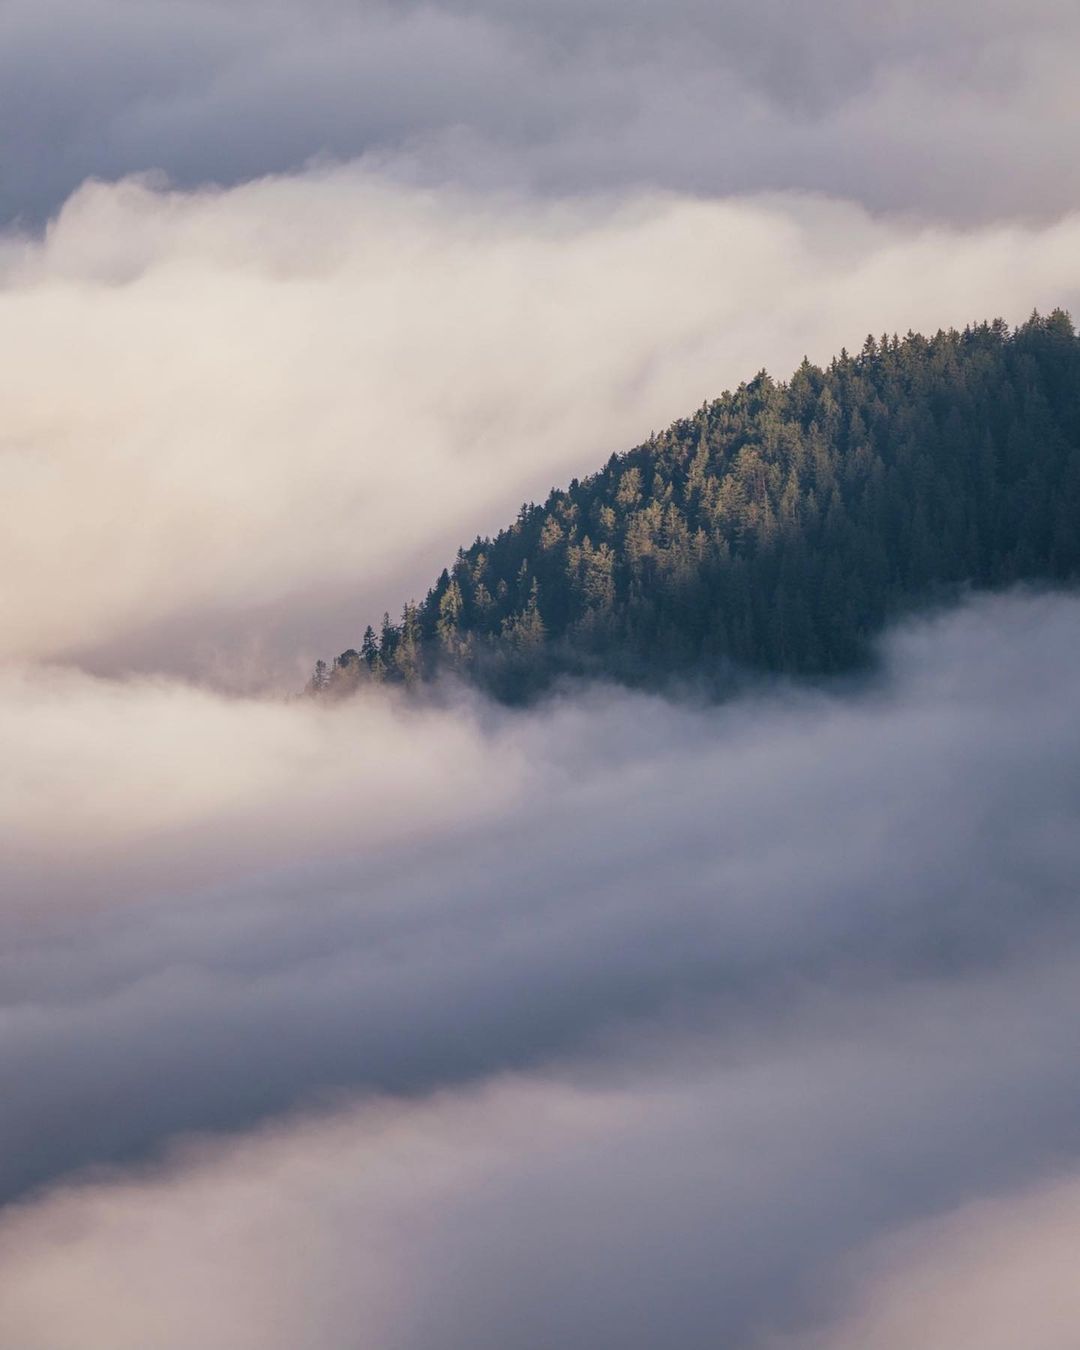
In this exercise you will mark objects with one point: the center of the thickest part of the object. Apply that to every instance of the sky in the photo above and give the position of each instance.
(613, 1023)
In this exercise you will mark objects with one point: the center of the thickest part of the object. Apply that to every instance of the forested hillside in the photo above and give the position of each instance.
(777, 529)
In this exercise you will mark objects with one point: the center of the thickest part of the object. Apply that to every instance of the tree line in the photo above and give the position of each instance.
(776, 530)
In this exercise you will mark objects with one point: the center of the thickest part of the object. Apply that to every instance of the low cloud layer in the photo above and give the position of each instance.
(239, 425)
(611, 1023)
(956, 110)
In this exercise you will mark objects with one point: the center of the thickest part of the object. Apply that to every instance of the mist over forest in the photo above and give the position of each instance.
(655, 922)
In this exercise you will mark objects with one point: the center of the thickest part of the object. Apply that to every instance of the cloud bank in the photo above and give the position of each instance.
(238, 425)
(613, 1022)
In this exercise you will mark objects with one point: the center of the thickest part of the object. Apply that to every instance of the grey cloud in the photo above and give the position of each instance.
(833, 931)
(952, 110)
(693, 1190)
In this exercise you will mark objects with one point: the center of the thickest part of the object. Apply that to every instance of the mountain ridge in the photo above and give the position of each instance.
(777, 529)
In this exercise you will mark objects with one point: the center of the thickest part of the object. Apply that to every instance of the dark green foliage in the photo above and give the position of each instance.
(777, 529)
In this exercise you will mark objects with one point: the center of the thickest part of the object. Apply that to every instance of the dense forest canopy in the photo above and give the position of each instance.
(777, 529)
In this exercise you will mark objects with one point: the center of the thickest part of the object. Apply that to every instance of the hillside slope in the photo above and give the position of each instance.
(777, 529)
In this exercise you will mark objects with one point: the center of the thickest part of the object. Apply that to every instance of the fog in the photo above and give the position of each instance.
(609, 1022)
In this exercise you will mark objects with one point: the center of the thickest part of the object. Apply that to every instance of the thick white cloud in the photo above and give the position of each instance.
(113, 785)
(238, 425)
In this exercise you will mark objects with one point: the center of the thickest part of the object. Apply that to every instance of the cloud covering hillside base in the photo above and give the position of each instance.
(611, 1023)
(240, 424)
